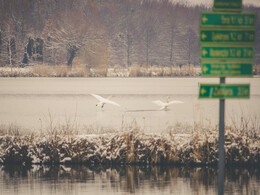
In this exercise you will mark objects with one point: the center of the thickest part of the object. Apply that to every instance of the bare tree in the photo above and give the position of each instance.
(147, 30)
(8, 47)
(173, 15)
(192, 47)
(72, 32)
(123, 32)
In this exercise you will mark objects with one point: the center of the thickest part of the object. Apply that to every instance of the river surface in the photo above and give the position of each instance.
(44, 103)
(125, 180)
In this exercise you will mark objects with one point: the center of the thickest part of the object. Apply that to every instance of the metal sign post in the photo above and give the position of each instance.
(227, 41)
(221, 142)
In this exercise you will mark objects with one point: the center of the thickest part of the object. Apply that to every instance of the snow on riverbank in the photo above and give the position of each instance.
(116, 71)
(131, 147)
(82, 71)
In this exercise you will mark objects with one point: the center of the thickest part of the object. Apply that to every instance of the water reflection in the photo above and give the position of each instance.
(125, 179)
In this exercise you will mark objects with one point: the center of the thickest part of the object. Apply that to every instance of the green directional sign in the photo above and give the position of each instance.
(225, 52)
(227, 5)
(224, 91)
(228, 69)
(227, 19)
(241, 36)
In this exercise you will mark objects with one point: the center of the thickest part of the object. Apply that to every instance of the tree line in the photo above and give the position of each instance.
(101, 32)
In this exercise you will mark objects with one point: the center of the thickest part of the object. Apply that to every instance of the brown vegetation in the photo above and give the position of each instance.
(256, 70)
(65, 145)
(100, 71)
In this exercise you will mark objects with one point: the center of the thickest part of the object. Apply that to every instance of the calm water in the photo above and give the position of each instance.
(35, 103)
(125, 180)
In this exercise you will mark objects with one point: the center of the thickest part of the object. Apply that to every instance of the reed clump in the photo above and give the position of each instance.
(163, 71)
(256, 70)
(59, 71)
(64, 145)
(81, 70)
(15, 72)
(129, 147)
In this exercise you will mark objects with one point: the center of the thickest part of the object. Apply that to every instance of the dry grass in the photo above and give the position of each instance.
(15, 72)
(98, 72)
(62, 143)
(188, 70)
(45, 70)
(103, 71)
(59, 71)
(139, 71)
(245, 125)
(12, 130)
(256, 70)
(160, 71)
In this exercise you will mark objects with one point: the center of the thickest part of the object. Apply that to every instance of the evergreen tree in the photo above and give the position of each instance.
(25, 58)
(30, 47)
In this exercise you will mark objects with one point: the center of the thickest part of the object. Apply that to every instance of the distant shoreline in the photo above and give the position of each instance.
(117, 71)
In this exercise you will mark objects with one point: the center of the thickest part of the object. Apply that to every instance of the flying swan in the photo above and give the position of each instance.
(164, 105)
(103, 101)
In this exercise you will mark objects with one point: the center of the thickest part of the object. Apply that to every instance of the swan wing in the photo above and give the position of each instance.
(159, 103)
(112, 102)
(104, 100)
(175, 102)
(163, 105)
(101, 99)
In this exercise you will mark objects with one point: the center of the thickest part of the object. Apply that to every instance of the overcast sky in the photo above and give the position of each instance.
(210, 2)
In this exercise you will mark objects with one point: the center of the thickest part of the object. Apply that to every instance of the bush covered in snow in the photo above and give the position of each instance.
(131, 147)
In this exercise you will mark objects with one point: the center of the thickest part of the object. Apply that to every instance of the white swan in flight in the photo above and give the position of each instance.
(164, 105)
(103, 101)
